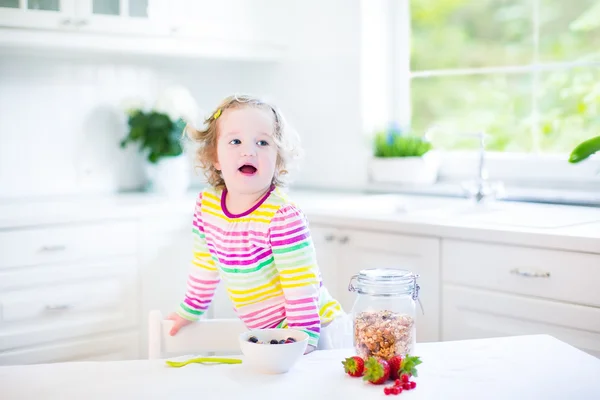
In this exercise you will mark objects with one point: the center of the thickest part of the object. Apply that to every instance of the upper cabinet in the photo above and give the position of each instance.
(136, 17)
(37, 14)
(190, 28)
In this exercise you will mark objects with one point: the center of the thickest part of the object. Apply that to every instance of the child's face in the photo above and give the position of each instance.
(246, 152)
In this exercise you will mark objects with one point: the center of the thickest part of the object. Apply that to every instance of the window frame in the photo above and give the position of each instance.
(519, 169)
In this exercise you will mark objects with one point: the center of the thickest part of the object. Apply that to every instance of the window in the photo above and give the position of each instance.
(527, 72)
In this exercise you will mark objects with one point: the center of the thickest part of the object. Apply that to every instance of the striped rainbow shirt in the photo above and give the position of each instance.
(267, 261)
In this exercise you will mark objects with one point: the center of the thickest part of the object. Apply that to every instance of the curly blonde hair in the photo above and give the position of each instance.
(285, 138)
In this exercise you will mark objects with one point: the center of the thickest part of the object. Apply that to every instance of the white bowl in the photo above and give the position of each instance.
(273, 358)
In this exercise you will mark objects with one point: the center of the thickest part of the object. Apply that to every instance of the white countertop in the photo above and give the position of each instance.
(540, 225)
(525, 367)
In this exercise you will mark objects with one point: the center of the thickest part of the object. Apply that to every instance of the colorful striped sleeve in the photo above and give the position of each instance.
(204, 277)
(295, 260)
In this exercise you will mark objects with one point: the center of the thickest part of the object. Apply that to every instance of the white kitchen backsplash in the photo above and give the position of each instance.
(61, 119)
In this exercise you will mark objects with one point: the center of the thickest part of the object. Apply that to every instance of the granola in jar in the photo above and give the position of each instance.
(383, 334)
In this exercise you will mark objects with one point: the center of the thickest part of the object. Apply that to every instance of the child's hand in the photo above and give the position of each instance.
(179, 323)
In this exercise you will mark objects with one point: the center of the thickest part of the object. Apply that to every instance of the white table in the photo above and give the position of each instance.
(526, 367)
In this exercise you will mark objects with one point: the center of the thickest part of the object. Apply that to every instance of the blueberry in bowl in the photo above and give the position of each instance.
(273, 351)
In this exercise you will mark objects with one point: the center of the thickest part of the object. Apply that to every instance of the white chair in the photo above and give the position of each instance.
(207, 336)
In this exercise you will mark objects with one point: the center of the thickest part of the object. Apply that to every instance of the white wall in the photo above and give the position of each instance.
(318, 88)
(60, 119)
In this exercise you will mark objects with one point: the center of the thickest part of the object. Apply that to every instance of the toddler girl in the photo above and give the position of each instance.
(248, 234)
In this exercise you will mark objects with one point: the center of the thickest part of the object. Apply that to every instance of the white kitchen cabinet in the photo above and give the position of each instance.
(100, 16)
(133, 17)
(231, 29)
(326, 242)
(473, 313)
(494, 289)
(115, 347)
(67, 283)
(553, 274)
(37, 14)
(56, 302)
(348, 251)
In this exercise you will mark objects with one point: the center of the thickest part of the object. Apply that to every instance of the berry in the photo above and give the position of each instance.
(273, 341)
(397, 382)
(404, 378)
(291, 339)
(377, 371)
(413, 384)
(253, 339)
(396, 390)
(281, 341)
(354, 366)
(406, 386)
(387, 390)
(395, 363)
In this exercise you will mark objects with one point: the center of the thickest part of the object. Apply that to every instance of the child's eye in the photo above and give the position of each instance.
(236, 141)
(263, 143)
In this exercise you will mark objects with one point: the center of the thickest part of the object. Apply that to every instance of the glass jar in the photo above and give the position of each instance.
(384, 312)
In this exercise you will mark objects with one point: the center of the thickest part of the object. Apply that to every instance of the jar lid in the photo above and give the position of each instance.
(385, 281)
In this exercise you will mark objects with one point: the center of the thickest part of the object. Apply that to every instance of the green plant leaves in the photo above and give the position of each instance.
(156, 134)
(395, 145)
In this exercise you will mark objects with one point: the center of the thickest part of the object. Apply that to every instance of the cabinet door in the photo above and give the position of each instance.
(64, 302)
(121, 16)
(474, 314)
(103, 348)
(325, 240)
(363, 250)
(38, 14)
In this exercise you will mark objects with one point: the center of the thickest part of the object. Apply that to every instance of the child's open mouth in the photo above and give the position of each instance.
(247, 169)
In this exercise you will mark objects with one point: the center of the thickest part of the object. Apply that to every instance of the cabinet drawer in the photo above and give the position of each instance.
(474, 314)
(91, 299)
(22, 247)
(551, 274)
(106, 348)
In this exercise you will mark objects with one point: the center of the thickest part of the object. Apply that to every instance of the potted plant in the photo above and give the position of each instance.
(403, 158)
(159, 134)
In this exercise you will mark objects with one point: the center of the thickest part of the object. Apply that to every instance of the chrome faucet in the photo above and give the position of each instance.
(482, 189)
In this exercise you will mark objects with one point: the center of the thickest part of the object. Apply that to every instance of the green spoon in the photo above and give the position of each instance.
(204, 360)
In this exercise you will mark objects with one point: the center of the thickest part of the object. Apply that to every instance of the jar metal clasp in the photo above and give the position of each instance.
(351, 287)
(415, 295)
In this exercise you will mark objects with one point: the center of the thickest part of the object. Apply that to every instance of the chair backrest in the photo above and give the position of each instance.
(202, 337)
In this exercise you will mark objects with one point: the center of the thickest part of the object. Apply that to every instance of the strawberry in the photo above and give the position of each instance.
(377, 371)
(395, 363)
(354, 366)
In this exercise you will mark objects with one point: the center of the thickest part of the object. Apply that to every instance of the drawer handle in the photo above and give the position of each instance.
(530, 274)
(52, 249)
(57, 307)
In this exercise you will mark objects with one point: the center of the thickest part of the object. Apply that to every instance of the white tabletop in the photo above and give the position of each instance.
(526, 367)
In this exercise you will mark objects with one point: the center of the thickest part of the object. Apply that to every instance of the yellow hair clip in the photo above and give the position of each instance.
(217, 114)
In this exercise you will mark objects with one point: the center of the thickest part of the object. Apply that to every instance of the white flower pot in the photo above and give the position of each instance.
(170, 176)
(406, 170)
